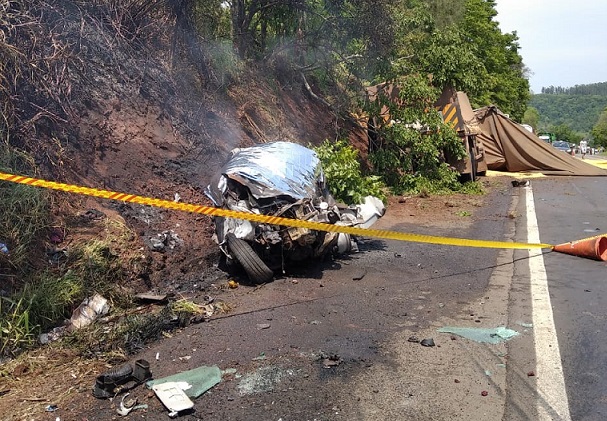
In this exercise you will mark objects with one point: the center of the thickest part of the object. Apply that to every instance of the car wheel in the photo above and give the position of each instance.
(257, 271)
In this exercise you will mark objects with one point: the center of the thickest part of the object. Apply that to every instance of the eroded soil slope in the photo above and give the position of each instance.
(133, 112)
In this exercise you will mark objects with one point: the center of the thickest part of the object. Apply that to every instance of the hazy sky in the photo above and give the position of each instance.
(563, 42)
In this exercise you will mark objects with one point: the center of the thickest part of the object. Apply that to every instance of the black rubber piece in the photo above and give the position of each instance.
(106, 384)
(257, 271)
(142, 371)
(119, 373)
(103, 388)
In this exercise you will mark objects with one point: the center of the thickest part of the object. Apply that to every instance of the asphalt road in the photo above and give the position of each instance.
(341, 341)
(567, 209)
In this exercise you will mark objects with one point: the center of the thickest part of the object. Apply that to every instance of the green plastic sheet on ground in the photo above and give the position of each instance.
(482, 335)
(199, 379)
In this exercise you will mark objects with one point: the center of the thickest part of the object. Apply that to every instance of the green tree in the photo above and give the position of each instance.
(599, 131)
(566, 133)
(580, 112)
(471, 54)
(532, 117)
(506, 85)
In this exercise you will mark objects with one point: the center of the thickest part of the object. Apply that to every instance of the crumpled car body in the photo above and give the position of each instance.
(280, 179)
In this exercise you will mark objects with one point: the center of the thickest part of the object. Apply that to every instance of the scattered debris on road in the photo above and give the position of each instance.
(263, 380)
(176, 391)
(196, 381)
(165, 240)
(360, 274)
(121, 379)
(92, 215)
(86, 313)
(330, 361)
(482, 335)
(51, 408)
(429, 342)
(127, 407)
(150, 297)
(173, 397)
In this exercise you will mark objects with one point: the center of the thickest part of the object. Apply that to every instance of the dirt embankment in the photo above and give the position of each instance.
(144, 147)
(134, 114)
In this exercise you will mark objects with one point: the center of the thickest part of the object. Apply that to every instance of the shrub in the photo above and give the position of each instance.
(344, 176)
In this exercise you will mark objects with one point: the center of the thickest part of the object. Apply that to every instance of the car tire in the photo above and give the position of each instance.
(257, 271)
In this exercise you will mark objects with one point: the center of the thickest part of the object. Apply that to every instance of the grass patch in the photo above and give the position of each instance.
(24, 219)
(49, 296)
(473, 187)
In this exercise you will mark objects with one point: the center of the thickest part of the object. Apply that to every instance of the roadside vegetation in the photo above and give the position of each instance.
(345, 178)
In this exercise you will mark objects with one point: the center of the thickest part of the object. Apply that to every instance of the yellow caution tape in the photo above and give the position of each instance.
(274, 220)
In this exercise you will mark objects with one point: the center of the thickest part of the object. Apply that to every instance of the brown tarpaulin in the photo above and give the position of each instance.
(510, 147)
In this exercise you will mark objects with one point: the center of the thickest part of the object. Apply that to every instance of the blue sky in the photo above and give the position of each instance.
(563, 42)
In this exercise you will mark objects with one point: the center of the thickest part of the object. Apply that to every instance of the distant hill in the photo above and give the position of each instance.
(590, 89)
(579, 107)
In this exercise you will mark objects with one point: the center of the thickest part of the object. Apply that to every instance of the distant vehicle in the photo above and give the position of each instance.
(546, 137)
(528, 127)
(562, 145)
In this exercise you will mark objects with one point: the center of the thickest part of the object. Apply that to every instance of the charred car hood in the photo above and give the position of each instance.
(270, 170)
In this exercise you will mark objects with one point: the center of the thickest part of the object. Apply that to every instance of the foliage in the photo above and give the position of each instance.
(588, 89)
(452, 61)
(458, 43)
(472, 187)
(505, 83)
(344, 176)
(51, 295)
(532, 117)
(580, 112)
(16, 331)
(24, 216)
(415, 141)
(474, 56)
(564, 132)
(599, 131)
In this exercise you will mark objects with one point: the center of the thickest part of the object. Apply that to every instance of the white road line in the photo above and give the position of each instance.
(552, 402)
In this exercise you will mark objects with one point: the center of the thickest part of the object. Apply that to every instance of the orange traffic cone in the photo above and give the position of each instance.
(592, 248)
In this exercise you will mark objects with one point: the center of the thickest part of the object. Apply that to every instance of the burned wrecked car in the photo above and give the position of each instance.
(280, 179)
